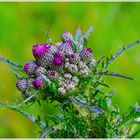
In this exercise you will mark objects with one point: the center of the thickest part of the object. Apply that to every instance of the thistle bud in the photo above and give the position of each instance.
(86, 55)
(72, 68)
(75, 79)
(66, 36)
(22, 85)
(58, 61)
(38, 82)
(30, 82)
(67, 76)
(30, 67)
(91, 64)
(40, 70)
(74, 58)
(66, 48)
(61, 91)
(52, 74)
(70, 87)
(67, 64)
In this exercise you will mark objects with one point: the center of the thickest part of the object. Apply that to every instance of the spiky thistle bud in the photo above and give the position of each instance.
(75, 80)
(52, 74)
(67, 76)
(40, 70)
(22, 85)
(67, 64)
(91, 64)
(86, 55)
(38, 83)
(66, 36)
(30, 67)
(72, 68)
(61, 91)
(74, 58)
(58, 61)
(69, 85)
(30, 82)
(66, 48)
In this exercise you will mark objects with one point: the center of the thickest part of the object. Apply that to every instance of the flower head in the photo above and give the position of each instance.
(52, 74)
(30, 67)
(22, 85)
(40, 49)
(86, 55)
(58, 61)
(38, 82)
(40, 70)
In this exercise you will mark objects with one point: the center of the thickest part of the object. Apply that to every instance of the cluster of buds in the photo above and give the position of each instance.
(58, 62)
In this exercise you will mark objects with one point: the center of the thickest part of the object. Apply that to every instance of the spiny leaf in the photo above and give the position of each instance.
(86, 35)
(85, 43)
(74, 47)
(51, 85)
(78, 36)
(121, 50)
(114, 74)
(9, 62)
(93, 109)
(134, 134)
(26, 114)
(27, 100)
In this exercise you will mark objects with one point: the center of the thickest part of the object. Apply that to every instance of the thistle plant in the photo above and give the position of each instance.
(67, 73)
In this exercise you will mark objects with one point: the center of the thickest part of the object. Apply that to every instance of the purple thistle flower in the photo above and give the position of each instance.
(38, 82)
(89, 50)
(22, 85)
(52, 74)
(40, 49)
(58, 61)
(66, 36)
(30, 67)
(47, 58)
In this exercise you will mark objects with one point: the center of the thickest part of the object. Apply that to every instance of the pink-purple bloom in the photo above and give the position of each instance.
(52, 74)
(89, 50)
(38, 83)
(40, 49)
(58, 61)
(30, 67)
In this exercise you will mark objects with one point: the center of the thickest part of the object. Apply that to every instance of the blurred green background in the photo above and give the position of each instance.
(24, 24)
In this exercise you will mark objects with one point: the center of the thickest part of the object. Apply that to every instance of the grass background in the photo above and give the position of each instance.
(24, 24)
